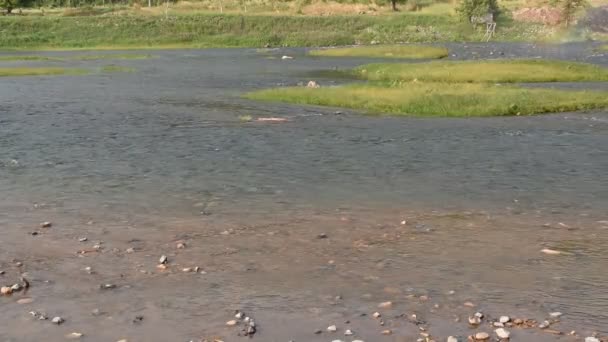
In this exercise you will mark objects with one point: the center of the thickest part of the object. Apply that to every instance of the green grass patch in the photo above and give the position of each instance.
(233, 30)
(25, 58)
(496, 71)
(439, 99)
(116, 68)
(7, 72)
(385, 51)
(604, 48)
(109, 56)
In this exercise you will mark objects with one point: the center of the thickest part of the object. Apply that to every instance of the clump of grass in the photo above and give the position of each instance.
(245, 118)
(7, 72)
(439, 99)
(26, 58)
(496, 71)
(108, 56)
(385, 51)
(604, 47)
(116, 68)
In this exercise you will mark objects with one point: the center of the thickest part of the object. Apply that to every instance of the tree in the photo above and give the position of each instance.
(570, 8)
(9, 5)
(394, 4)
(477, 8)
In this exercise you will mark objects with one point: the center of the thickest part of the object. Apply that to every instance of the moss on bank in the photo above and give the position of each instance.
(385, 51)
(7, 72)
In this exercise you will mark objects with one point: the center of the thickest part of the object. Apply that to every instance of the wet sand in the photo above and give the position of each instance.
(139, 163)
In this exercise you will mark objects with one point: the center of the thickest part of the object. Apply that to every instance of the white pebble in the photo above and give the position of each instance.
(555, 314)
(231, 323)
(504, 319)
(592, 339)
(502, 333)
(348, 332)
(332, 328)
(452, 339)
(376, 315)
(58, 320)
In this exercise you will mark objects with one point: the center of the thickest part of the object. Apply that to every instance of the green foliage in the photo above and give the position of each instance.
(9, 5)
(385, 51)
(477, 8)
(28, 71)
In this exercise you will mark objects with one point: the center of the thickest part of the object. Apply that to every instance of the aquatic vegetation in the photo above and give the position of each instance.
(25, 58)
(116, 68)
(385, 51)
(439, 99)
(245, 118)
(108, 56)
(494, 71)
(26, 71)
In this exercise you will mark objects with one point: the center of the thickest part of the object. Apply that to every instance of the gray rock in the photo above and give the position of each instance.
(163, 259)
(57, 320)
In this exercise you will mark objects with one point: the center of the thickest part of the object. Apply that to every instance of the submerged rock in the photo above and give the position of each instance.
(57, 320)
(332, 328)
(502, 333)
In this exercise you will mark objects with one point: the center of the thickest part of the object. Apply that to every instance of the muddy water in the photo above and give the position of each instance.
(158, 156)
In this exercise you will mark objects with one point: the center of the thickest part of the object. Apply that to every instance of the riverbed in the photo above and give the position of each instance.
(302, 224)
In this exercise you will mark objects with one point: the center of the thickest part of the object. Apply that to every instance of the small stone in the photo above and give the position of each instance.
(82, 239)
(163, 259)
(18, 264)
(452, 339)
(130, 250)
(231, 323)
(544, 325)
(518, 321)
(479, 314)
(46, 224)
(424, 298)
(286, 57)
(498, 324)
(25, 301)
(451, 292)
(322, 236)
(482, 336)
(312, 84)
(318, 331)
(592, 339)
(57, 320)
(16, 287)
(187, 269)
(358, 341)
(161, 266)
(88, 269)
(332, 328)
(385, 305)
(74, 335)
(250, 331)
(5, 290)
(239, 315)
(138, 319)
(555, 314)
(376, 315)
(387, 332)
(181, 245)
(348, 332)
(2, 272)
(502, 333)
(504, 319)
(123, 340)
(550, 251)
(469, 304)
(107, 286)
(474, 320)
(337, 341)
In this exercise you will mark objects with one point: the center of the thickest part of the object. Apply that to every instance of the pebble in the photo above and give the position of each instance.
(58, 320)
(2, 272)
(130, 250)
(231, 323)
(82, 239)
(550, 251)
(544, 325)
(16, 287)
(502, 333)
(504, 319)
(474, 320)
(25, 301)
(107, 286)
(518, 321)
(358, 341)
(479, 314)
(239, 315)
(322, 236)
(387, 332)
(187, 269)
(555, 314)
(498, 324)
(592, 339)
(181, 245)
(74, 335)
(452, 339)
(348, 332)
(469, 304)
(318, 331)
(163, 259)
(376, 315)
(286, 57)
(482, 336)
(385, 305)
(337, 341)
(332, 328)
(5, 290)
(46, 224)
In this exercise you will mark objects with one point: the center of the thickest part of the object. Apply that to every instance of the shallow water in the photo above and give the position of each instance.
(160, 155)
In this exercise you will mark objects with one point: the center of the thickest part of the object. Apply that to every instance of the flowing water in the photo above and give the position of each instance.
(147, 158)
